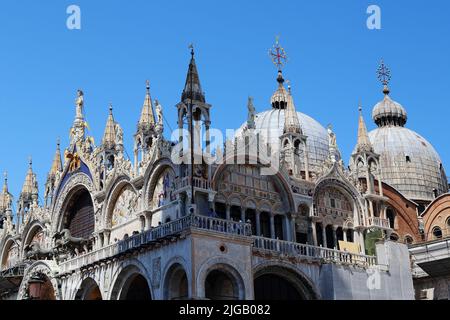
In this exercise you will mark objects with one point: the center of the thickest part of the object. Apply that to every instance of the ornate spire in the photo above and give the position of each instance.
(147, 118)
(363, 144)
(5, 196)
(56, 165)
(192, 88)
(280, 97)
(109, 137)
(28, 185)
(5, 183)
(291, 122)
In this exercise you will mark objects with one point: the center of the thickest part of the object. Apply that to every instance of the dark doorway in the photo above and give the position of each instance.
(219, 286)
(273, 287)
(265, 224)
(301, 237)
(221, 210)
(319, 234)
(235, 213)
(278, 222)
(350, 235)
(136, 289)
(330, 240)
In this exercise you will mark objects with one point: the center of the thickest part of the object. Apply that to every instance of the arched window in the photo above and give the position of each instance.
(394, 237)
(80, 215)
(408, 240)
(437, 233)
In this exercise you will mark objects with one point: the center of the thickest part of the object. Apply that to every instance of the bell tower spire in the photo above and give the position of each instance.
(194, 111)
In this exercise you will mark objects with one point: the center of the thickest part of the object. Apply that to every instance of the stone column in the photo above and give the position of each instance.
(369, 183)
(344, 232)
(272, 226)
(314, 233)
(359, 238)
(291, 226)
(243, 214)
(135, 159)
(324, 236)
(306, 162)
(228, 213)
(335, 238)
(258, 223)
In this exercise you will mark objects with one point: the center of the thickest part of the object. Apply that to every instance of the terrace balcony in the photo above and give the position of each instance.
(171, 231)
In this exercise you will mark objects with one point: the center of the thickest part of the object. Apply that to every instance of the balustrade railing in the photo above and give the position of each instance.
(378, 222)
(217, 226)
(198, 183)
(155, 234)
(304, 250)
(221, 225)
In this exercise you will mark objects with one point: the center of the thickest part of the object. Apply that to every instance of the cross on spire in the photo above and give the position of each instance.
(278, 54)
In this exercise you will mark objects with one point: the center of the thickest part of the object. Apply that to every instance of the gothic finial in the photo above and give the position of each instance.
(58, 142)
(191, 46)
(384, 76)
(30, 161)
(147, 85)
(110, 108)
(363, 143)
(289, 86)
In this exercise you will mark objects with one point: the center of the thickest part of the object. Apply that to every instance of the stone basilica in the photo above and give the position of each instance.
(159, 227)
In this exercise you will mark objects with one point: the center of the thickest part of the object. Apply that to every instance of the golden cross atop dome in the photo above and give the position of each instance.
(278, 54)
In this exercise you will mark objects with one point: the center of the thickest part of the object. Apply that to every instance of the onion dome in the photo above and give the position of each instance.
(389, 113)
(408, 161)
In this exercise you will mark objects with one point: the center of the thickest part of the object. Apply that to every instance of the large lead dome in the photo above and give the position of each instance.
(270, 125)
(408, 161)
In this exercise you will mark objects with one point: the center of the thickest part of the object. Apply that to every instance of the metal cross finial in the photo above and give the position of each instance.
(5, 175)
(383, 73)
(359, 106)
(278, 55)
(58, 142)
(191, 46)
(30, 161)
(147, 84)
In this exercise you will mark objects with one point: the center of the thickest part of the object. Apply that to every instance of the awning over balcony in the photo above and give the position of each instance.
(436, 268)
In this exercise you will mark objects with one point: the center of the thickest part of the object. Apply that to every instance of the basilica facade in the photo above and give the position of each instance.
(157, 226)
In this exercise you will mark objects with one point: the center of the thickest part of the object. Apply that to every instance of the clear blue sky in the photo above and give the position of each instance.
(333, 59)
